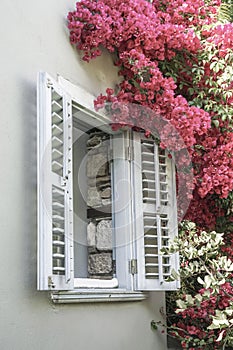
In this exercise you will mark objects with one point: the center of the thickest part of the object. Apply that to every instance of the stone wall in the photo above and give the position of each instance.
(99, 228)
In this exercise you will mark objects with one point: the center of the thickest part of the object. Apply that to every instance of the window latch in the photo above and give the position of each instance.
(51, 284)
(129, 153)
(133, 266)
(49, 84)
(64, 181)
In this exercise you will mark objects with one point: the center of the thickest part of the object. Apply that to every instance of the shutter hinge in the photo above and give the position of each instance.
(110, 155)
(49, 83)
(51, 284)
(114, 267)
(129, 153)
(133, 266)
(64, 181)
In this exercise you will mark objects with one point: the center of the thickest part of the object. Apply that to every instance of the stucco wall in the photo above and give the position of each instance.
(33, 37)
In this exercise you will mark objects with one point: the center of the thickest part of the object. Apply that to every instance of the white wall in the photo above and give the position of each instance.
(33, 37)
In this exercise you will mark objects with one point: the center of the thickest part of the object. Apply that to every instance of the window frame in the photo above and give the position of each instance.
(126, 287)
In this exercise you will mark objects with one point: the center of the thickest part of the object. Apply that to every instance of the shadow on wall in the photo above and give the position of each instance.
(29, 183)
(173, 344)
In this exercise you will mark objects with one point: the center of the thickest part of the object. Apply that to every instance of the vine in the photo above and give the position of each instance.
(175, 66)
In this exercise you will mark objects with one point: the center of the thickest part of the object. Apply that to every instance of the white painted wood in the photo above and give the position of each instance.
(55, 228)
(155, 219)
(55, 172)
(95, 283)
(77, 93)
(95, 296)
(83, 102)
(122, 209)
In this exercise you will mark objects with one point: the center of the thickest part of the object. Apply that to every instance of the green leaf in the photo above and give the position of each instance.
(220, 336)
(199, 297)
(181, 304)
(189, 299)
(213, 64)
(215, 123)
(208, 281)
(154, 325)
(199, 280)
(175, 275)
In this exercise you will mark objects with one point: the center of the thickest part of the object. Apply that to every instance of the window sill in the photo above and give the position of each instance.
(95, 296)
(95, 283)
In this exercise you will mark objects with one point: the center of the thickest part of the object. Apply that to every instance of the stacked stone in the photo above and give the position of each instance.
(99, 228)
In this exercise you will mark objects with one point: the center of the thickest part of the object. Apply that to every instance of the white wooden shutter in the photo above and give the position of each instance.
(122, 209)
(155, 214)
(55, 227)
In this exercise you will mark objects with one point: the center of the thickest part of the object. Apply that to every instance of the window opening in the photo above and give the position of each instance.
(93, 232)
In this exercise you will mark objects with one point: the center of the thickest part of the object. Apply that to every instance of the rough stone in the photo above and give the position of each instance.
(106, 193)
(104, 185)
(103, 179)
(99, 181)
(94, 141)
(99, 236)
(91, 234)
(91, 182)
(97, 165)
(93, 198)
(100, 264)
(104, 235)
(98, 149)
(106, 202)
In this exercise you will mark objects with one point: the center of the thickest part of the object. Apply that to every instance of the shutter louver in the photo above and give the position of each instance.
(154, 180)
(55, 227)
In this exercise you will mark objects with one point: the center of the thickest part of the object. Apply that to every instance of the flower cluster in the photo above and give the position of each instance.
(142, 35)
(120, 25)
(203, 211)
(204, 303)
(228, 246)
(189, 12)
(214, 173)
(175, 66)
(200, 316)
(195, 328)
(222, 37)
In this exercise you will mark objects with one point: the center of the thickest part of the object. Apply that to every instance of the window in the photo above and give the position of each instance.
(106, 202)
